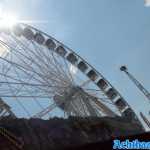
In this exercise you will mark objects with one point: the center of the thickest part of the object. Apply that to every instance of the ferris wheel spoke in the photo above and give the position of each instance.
(46, 71)
(17, 100)
(59, 66)
(85, 83)
(18, 76)
(27, 90)
(25, 96)
(22, 85)
(34, 98)
(24, 69)
(29, 51)
(61, 80)
(25, 83)
(74, 109)
(90, 109)
(28, 81)
(24, 92)
(40, 67)
(45, 57)
(66, 109)
(97, 90)
(83, 106)
(38, 51)
(67, 68)
(38, 87)
(42, 60)
(103, 108)
(21, 68)
(69, 71)
(105, 100)
(45, 111)
(52, 75)
(96, 100)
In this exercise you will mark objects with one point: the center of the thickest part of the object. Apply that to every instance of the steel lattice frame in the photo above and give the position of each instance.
(35, 66)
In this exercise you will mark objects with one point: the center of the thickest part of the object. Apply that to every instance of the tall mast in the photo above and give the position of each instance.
(145, 119)
(136, 82)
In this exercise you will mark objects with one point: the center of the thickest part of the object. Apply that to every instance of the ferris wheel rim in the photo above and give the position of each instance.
(84, 61)
(61, 43)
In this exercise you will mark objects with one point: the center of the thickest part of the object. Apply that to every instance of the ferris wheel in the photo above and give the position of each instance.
(39, 74)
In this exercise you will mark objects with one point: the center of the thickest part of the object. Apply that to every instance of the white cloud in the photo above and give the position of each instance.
(147, 3)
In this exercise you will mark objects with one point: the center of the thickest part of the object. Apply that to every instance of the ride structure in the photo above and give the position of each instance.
(35, 68)
(141, 88)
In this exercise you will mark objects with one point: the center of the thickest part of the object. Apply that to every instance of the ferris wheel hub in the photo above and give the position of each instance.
(67, 96)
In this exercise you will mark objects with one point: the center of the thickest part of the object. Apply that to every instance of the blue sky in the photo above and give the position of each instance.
(107, 33)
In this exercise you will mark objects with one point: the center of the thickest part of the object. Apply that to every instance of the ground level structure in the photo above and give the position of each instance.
(58, 133)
